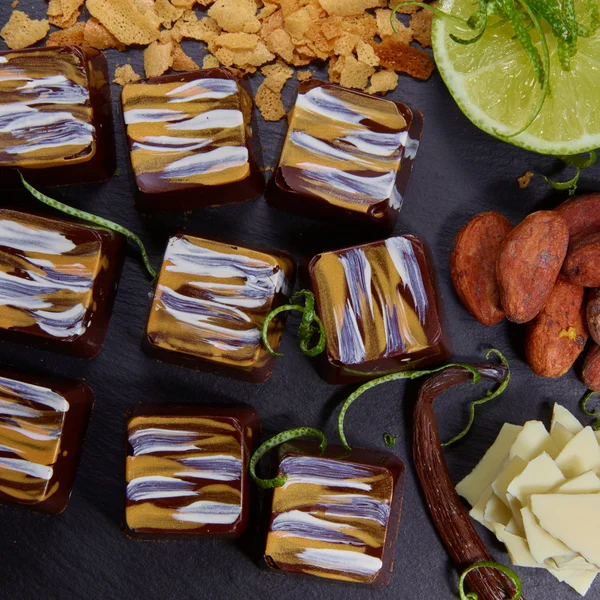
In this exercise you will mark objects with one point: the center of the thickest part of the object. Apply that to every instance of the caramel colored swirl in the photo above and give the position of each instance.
(183, 473)
(373, 301)
(31, 424)
(212, 299)
(330, 518)
(187, 133)
(45, 112)
(346, 148)
(47, 273)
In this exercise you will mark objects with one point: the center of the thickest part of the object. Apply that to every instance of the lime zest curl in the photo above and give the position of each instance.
(310, 325)
(488, 564)
(580, 163)
(91, 218)
(281, 438)
(421, 373)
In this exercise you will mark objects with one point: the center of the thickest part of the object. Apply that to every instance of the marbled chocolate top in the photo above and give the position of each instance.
(331, 518)
(374, 301)
(183, 473)
(46, 117)
(345, 148)
(31, 425)
(189, 131)
(47, 273)
(211, 300)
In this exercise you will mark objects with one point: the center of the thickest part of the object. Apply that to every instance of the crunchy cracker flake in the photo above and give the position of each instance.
(181, 61)
(73, 36)
(271, 23)
(405, 59)
(276, 75)
(347, 8)
(409, 9)
(236, 15)
(185, 4)
(289, 7)
(269, 103)
(364, 26)
(345, 45)
(366, 54)
(158, 58)
(420, 24)
(167, 12)
(385, 29)
(21, 31)
(205, 30)
(298, 23)
(124, 21)
(210, 62)
(355, 74)
(303, 75)
(125, 75)
(97, 36)
(237, 41)
(267, 10)
(382, 82)
(279, 42)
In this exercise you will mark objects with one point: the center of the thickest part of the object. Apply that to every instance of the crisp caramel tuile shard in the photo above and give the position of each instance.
(67, 135)
(186, 472)
(210, 304)
(58, 281)
(42, 427)
(125, 74)
(191, 140)
(380, 308)
(346, 155)
(337, 515)
(22, 31)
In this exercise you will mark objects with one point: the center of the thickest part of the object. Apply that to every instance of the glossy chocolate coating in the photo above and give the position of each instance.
(186, 470)
(58, 280)
(42, 427)
(191, 140)
(380, 308)
(337, 515)
(346, 154)
(210, 303)
(55, 116)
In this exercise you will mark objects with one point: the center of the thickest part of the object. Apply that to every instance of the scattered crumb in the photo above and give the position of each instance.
(125, 75)
(525, 179)
(15, 4)
(303, 75)
(22, 31)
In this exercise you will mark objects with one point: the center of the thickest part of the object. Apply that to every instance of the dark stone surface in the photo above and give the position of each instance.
(83, 554)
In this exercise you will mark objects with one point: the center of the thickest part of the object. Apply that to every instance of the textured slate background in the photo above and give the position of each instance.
(82, 554)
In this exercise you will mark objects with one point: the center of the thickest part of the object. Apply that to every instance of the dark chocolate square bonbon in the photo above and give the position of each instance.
(380, 308)
(58, 280)
(210, 303)
(186, 470)
(42, 427)
(192, 141)
(346, 154)
(55, 116)
(337, 515)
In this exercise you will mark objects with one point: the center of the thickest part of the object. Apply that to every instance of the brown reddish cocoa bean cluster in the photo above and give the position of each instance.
(537, 273)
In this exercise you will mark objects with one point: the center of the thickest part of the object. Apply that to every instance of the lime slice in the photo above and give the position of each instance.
(495, 86)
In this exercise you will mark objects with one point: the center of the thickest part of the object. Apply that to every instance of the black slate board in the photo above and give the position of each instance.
(82, 554)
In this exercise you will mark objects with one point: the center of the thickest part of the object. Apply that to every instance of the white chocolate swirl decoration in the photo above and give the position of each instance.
(45, 110)
(346, 148)
(212, 299)
(183, 473)
(373, 301)
(330, 518)
(31, 424)
(187, 132)
(47, 273)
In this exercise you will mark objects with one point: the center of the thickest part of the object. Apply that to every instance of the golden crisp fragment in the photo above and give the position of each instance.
(420, 25)
(404, 58)
(204, 30)
(235, 15)
(280, 42)
(355, 74)
(346, 8)
(125, 75)
(382, 82)
(167, 12)
(158, 58)
(97, 36)
(123, 19)
(269, 103)
(303, 75)
(210, 62)
(276, 75)
(181, 61)
(366, 54)
(237, 41)
(21, 31)
(73, 36)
